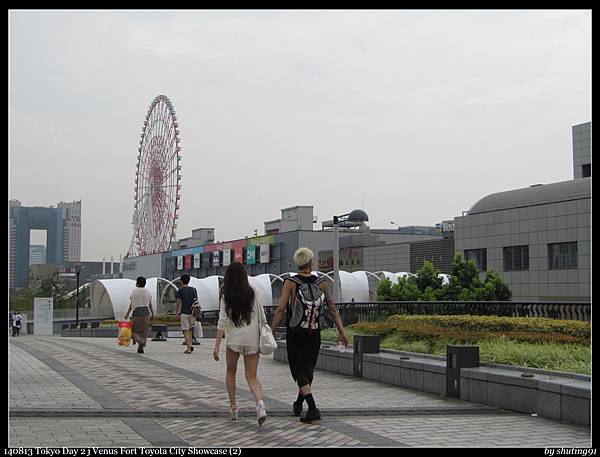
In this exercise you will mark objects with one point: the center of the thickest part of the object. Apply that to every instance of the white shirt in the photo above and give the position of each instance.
(140, 297)
(246, 336)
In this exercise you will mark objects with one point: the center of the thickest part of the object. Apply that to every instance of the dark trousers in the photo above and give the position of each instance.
(16, 330)
(303, 352)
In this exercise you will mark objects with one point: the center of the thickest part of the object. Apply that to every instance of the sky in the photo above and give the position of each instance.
(411, 115)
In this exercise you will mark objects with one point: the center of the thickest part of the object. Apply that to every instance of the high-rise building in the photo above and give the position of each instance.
(63, 235)
(72, 231)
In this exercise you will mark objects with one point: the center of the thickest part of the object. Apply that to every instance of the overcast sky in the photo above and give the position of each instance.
(416, 114)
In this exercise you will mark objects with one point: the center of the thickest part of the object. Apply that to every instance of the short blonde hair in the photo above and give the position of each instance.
(303, 257)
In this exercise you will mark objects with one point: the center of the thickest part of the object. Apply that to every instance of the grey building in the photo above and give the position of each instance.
(538, 238)
(582, 150)
(59, 227)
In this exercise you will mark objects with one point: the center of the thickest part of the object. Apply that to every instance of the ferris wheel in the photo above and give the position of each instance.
(157, 181)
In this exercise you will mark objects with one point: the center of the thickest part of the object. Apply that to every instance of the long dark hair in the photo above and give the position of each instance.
(238, 295)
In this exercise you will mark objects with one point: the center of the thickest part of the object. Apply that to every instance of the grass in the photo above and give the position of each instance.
(574, 358)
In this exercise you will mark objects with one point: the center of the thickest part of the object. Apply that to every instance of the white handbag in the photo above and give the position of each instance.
(267, 343)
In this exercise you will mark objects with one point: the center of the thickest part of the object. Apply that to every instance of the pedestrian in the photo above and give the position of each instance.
(304, 296)
(140, 302)
(17, 320)
(240, 310)
(187, 296)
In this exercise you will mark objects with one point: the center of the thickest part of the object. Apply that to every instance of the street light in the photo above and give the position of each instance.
(356, 216)
(77, 271)
(393, 223)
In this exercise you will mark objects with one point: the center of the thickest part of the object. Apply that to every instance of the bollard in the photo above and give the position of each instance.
(363, 344)
(458, 357)
(159, 329)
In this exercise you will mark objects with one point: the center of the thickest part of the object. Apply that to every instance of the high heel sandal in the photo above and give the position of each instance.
(233, 414)
(261, 413)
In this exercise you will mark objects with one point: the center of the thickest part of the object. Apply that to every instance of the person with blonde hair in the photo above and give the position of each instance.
(304, 296)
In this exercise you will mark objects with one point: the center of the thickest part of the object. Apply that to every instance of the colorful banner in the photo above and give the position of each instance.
(250, 254)
(226, 257)
(264, 253)
(188, 262)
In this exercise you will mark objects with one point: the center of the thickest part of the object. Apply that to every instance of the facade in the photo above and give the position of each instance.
(37, 254)
(538, 238)
(582, 150)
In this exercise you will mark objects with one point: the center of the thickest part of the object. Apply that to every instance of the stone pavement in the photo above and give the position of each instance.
(91, 392)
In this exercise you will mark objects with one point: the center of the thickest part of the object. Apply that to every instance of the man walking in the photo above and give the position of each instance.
(186, 296)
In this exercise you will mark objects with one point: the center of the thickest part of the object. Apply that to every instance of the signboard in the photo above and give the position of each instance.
(216, 258)
(226, 257)
(188, 262)
(180, 262)
(197, 260)
(264, 253)
(447, 226)
(250, 255)
(43, 316)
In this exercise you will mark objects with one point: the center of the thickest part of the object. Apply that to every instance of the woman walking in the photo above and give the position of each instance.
(141, 304)
(240, 310)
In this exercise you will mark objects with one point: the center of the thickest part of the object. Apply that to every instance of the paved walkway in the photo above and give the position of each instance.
(90, 392)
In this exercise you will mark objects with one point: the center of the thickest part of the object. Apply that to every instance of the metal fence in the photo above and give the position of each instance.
(351, 313)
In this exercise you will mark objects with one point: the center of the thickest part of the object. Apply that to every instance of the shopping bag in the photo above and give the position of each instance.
(124, 333)
(198, 330)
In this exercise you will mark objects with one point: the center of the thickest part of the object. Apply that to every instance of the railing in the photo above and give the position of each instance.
(352, 313)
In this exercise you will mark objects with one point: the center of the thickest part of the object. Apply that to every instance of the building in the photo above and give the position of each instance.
(539, 237)
(63, 234)
(72, 231)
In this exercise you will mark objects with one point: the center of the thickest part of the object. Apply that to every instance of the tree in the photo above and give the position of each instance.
(465, 285)
(428, 277)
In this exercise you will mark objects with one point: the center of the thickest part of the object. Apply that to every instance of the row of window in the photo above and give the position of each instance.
(561, 256)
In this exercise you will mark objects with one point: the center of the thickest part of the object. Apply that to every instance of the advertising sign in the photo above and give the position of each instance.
(264, 253)
(250, 255)
(43, 316)
(180, 262)
(188, 262)
(226, 257)
(216, 258)
(197, 260)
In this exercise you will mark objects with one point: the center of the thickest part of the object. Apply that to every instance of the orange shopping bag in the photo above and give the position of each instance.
(124, 333)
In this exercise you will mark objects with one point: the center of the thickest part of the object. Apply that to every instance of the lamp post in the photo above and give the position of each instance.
(393, 223)
(77, 271)
(356, 216)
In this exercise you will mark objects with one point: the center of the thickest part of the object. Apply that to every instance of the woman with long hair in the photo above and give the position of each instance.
(240, 311)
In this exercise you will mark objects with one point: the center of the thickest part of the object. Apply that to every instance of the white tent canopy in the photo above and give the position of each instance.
(110, 297)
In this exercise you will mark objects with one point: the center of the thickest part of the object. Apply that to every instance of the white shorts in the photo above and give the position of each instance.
(243, 350)
(187, 321)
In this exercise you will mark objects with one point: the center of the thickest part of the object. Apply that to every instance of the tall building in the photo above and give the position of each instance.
(63, 235)
(72, 231)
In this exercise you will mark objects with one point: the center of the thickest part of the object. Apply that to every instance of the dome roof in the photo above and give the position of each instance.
(535, 195)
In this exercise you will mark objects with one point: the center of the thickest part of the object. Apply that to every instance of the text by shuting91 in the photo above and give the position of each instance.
(137, 451)
(585, 452)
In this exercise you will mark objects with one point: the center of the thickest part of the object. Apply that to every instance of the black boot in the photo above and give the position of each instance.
(313, 414)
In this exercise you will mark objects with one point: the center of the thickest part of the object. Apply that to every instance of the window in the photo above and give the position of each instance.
(516, 258)
(586, 170)
(479, 256)
(562, 256)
